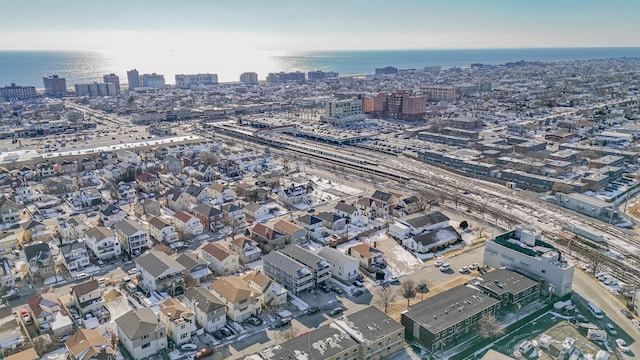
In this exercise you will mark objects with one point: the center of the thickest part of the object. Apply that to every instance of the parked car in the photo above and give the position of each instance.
(336, 289)
(611, 329)
(203, 352)
(627, 313)
(445, 267)
(464, 270)
(474, 266)
(635, 323)
(394, 280)
(282, 322)
(254, 321)
(324, 288)
(336, 312)
(438, 263)
(188, 347)
(312, 310)
(358, 283)
(622, 345)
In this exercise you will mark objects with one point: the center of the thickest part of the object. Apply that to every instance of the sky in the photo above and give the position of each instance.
(306, 25)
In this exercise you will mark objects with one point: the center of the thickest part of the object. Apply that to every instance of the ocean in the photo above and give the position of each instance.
(28, 67)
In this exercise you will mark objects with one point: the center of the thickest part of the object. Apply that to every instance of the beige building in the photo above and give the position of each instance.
(221, 259)
(88, 344)
(141, 333)
(241, 300)
(273, 293)
(179, 320)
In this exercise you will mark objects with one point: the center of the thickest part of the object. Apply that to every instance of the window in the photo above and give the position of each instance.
(144, 346)
(183, 336)
(144, 337)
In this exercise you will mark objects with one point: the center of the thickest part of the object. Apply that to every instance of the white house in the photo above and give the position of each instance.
(102, 242)
(141, 333)
(343, 267)
(416, 224)
(211, 313)
(221, 259)
(180, 321)
(256, 211)
(162, 231)
(188, 223)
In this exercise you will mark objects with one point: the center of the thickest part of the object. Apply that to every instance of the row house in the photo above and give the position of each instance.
(147, 182)
(162, 231)
(132, 236)
(267, 237)
(208, 215)
(102, 242)
(293, 275)
(247, 249)
(187, 223)
(210, 312)
(241, 300)
(159, 272)
(320, 267)
(179, 321)
(220, 258)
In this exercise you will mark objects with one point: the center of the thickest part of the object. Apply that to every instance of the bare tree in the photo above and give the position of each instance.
(425, 198)
(489, 327)
(208, 158)
(596, 259)
(189, 282)
(408, 290)
(164, 248)
(288, 334)
(384, 296)
(481, 230)
(562, 188)
(422, 288)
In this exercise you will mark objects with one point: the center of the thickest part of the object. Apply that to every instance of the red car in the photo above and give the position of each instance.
(203, 352)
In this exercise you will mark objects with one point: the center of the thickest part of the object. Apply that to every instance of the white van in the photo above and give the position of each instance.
(595, 311)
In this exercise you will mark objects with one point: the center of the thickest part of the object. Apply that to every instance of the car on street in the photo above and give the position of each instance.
(474, 266)
(312, 310)
(202, 353)
(464, 270)
(189, 347)
(336, 312)
(636, 323)
(611, 329)
(438, 263)
(445, 267)
(358, 283)
(627, 313)
(622, 345)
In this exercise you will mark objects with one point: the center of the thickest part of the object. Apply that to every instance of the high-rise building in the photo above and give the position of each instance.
(154, 81)
(400, 104)
(13, 92)
(249, 78)
(389, 70)
(318, 75)
(187, 81)
(112, 79)
(96, 89)
(343, 108)
(55, 85)
(133, 79)
(275, 78)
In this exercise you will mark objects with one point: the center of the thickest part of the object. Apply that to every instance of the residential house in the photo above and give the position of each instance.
(407, 206)
(172, 164)
(58, 185)
(89, 344)
(294, 194)
(372, 208)
(197, 193)
(12, 337)
(416, 224)
(161, 273)
(28, 354)
(343, 267)
(87, 296)
(43, 309)
(87, 197)
(232, 211)
(229, 168)
(433, 240)
(256, 211)
(112, 172)
(109, 214)
(247, 249)
(241, 300)
(45, 170)
(132, 236)
(88, 164)
(332, 221)
(179, 321)
(312, 224)
(220, 193)
(8, 242)
(210, 173)
(220, 258)
(273, 293)
(127, 156)
(295, 234)
(102, 242)
(141, 333)
(162, 231)
(147, 182)
(75, 257)
(150, 207)
(187, 223)
(40, 260)
(209, 216)
(288, 272)
(27, 173)
(195, 266)
(385, 197)
(66, 167)
(7, 278)
(210, 312)
(268, 238)
(177, 200)
(348, 211)
(368, 256)
(34, 231)
(325, 342)
(320, 267)
(9, 210)
(71, 229)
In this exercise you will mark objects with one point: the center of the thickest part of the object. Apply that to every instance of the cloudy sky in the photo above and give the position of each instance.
(316, 25)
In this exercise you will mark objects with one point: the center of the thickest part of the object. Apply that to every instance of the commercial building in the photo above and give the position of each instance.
(319, 75)
(55, 85)
(589, 206)
(133, 79)
(439, 92)
(400, 104)
(281, 77)
(96, 89)
(387, 70)
(343, 108)
(154, 81)
(249, 78)
(13, 92)
(524, 251)
(112, 79)
(188, 81)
